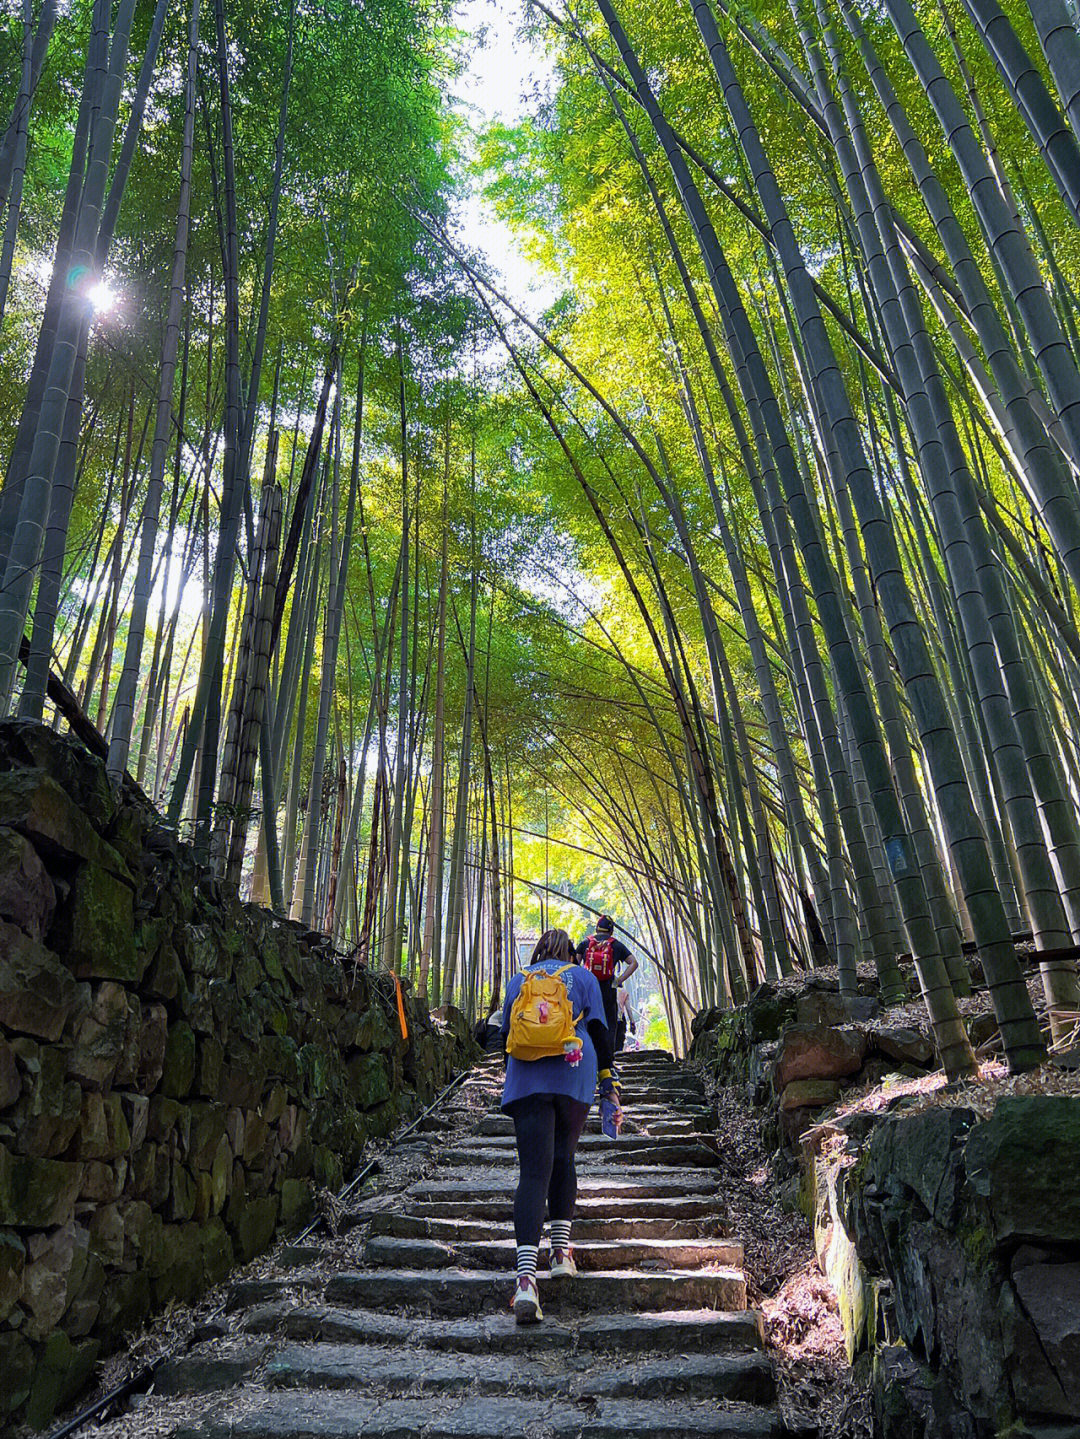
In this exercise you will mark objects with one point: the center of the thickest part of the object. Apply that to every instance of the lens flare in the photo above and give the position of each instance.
(103, 298)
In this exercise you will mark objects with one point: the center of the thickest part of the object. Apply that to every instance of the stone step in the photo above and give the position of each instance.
(747, 1377)
(692, 1331)
(499, 1207)
(437, 1124)
(456, 1293)
(653, 1255)
(592, 1143)
(346, 1414)
(635, 1124)
(658, 1183)
(664, 1086)
(610, 1152)
(459, 1230)
(661, 1125)
(650, 1108)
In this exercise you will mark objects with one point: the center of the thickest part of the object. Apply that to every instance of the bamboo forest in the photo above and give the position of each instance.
(490, 483)
(734, 591)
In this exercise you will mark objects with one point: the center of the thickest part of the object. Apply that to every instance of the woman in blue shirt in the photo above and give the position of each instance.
(549, 1100)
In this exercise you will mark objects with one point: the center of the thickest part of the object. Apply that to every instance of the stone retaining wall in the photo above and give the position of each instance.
(178, 1071)
(953, 1245)
(950, 1237)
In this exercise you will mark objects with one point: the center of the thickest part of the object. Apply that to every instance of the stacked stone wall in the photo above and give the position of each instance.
(950, 1232)
(179, 1072)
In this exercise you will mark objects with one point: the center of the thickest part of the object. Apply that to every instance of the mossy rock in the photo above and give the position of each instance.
(254, 1226)
(94, 929)
(369, 1082)
(27, 894)
(12, 1264)
(767, 1014)
(182, 1275)
(37, 992)
(26, 744)
(62, 1370)
(178, 1073)
(1022, 1161)
(314, 1069)
(297, 1202)
(17, 1367)
(125, 1301)
(280, 1057)
(327, 1166)
(924, 1152)
(373, 1030)
(37, 1193)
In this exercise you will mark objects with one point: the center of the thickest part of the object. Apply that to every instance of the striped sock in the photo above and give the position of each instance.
(560, 1234)
(526, 1260)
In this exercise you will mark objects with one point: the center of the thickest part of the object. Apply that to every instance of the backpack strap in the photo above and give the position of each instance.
(562, 970)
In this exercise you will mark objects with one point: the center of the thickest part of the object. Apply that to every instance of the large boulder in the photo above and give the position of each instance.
(1006, 1164)
(55, 1264)
(924, 1153)
(809, 1051)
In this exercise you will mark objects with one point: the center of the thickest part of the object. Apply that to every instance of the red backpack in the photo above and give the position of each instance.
(600, 957)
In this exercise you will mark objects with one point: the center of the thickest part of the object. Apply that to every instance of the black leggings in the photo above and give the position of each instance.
(611, 1005)
(547, 1128)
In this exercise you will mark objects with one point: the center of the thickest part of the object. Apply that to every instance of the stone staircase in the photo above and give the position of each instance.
(652, 1338)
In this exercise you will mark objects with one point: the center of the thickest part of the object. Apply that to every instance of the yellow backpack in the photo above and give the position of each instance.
(542, 1018)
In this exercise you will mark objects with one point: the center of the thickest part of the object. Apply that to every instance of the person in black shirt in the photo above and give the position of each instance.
(605, 956)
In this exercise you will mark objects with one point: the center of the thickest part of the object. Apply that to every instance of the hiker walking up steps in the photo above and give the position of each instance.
(627, 1015)
(602, 954)
(557, 1046)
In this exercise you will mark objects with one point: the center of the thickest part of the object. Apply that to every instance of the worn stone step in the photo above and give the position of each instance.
(457, 1230)
(692, 1331)
(610, 1151)
(594, 1143)
(497, 1208)
(346, 1414)
(635, 1124)
(647, 1090)
(746, 1377)
(660, 1123)
(654, 1255)
(437, 1123)
(210, 1367)
(449, 1292)
(496, 1121)
(656, 1183)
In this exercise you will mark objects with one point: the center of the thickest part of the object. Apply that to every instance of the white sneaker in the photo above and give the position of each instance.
(562, 1264)
(526, 1301)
